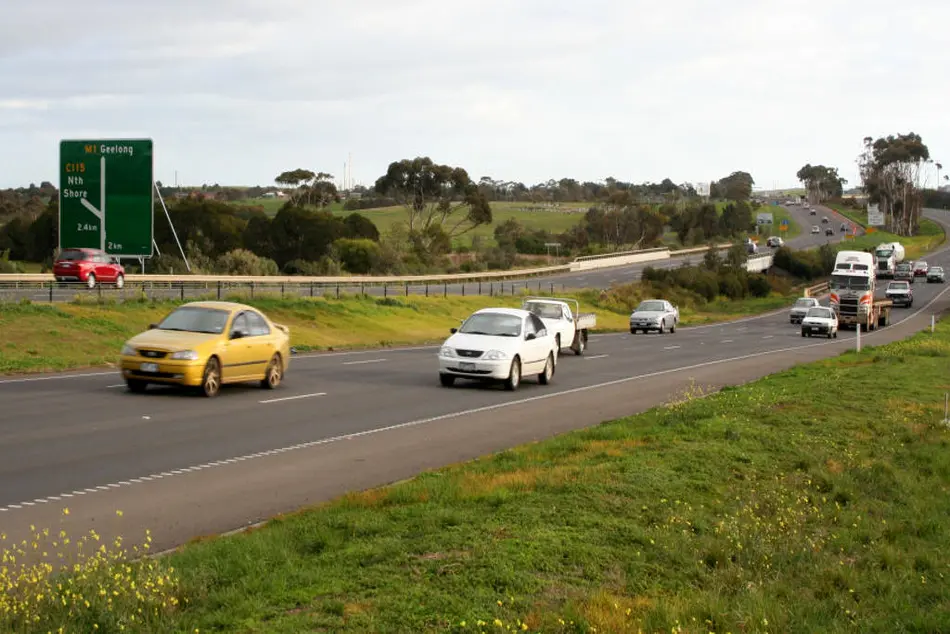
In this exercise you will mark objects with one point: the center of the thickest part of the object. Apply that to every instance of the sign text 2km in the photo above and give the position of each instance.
(106, 196)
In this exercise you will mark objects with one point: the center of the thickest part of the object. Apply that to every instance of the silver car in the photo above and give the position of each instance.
(800, 309)
(654, 314)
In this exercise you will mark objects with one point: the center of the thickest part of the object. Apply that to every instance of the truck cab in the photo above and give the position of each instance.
(853, 282)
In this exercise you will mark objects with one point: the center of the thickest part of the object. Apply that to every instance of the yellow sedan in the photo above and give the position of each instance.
(206, 345)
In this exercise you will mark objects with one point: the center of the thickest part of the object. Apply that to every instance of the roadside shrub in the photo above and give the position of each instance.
(731, 286)
(805, 265)
(6, 266)
(759, 285)
(244, 262)
(359, 256)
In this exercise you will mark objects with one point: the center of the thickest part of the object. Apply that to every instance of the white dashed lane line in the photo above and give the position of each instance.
(727, 341)
(293, 398)
(597, 356)
(671, 348)
(364, 361)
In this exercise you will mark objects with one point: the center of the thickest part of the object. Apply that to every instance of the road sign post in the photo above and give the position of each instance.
(106, 196)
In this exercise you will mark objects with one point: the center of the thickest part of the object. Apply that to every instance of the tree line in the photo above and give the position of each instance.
(891, 169)
(442, 205)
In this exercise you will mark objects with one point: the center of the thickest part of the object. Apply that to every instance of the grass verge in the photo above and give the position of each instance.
(779, 506)
(930, 236)
(32, 335)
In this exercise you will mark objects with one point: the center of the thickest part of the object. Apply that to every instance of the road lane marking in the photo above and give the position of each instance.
(116, 385)
(671, 348)
(597, 356)
(293, 398)
(364, 361)
(55, 378)
(477, 410)
(768, 336)
(726, 341)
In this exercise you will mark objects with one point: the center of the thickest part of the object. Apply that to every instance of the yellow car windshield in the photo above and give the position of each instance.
(196, 319)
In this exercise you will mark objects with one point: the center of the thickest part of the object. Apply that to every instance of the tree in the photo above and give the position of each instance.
(436, 197)
(821, 183)
(890, 172)
(736, 186)
(309, 188)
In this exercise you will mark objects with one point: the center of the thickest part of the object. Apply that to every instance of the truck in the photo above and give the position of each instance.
(570, 327)
(888, 255)
(853, 285)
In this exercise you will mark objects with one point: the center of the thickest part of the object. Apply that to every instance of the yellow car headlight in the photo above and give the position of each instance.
(184, 355)
(127, 351)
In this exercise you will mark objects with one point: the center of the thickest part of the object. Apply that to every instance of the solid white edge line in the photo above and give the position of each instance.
(365, 361)
(293, 398)
(56, 377)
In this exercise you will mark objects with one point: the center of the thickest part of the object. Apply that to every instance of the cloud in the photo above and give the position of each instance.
(237, 91)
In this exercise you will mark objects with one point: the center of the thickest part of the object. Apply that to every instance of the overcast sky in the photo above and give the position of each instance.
(236, 91)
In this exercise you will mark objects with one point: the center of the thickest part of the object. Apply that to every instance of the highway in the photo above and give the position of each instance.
(183, 466)
(595, 278)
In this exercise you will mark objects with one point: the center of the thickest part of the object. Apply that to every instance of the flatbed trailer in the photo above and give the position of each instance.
(879, 314)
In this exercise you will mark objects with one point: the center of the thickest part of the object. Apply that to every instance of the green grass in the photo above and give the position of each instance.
(782, 506)
(32, 335)
(533, 216)
(930, 236)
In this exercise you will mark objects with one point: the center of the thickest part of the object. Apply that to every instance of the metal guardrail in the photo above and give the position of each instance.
(220, 290)
(451, 278)
(817, 289)
(7, 279)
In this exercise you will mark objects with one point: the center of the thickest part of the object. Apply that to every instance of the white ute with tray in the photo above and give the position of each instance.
(565, 324)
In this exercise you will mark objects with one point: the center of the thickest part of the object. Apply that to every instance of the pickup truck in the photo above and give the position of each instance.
(567, 325)
(900, 293)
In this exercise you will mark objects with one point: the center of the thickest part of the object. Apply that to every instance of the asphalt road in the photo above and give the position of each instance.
(184, 466)
(596, 278)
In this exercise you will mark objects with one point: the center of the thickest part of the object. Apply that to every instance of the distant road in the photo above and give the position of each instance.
(595, 278)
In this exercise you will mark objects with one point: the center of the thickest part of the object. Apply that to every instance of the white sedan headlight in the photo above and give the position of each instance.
(446, 352)
(495, 355)
(127, 351)
(184, 355)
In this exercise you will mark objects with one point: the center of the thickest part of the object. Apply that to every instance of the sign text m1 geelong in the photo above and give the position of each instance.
(106, 196)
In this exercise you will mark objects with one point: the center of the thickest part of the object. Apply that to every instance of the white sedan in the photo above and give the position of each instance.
(498, 344)
(820, 320)
(654, 314)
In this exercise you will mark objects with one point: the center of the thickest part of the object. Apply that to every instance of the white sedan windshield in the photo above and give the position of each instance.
(650, 306)
(493, 324)
(824, 313)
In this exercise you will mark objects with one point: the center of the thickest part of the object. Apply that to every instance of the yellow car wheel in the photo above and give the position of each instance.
(211, 379)
(274, 374)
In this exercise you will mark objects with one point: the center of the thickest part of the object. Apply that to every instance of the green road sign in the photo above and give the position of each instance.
(106, 196)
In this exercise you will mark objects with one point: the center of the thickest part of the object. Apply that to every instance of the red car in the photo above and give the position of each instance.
(88, 266)
(920, 269)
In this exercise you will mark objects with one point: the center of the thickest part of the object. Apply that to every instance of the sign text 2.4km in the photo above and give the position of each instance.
(106, 196)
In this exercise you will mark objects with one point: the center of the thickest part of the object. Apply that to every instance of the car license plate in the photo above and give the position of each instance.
(149, 367)
(467, 367)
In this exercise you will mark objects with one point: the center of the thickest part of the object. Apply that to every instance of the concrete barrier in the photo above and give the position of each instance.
(609, 260)
(759, 263)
